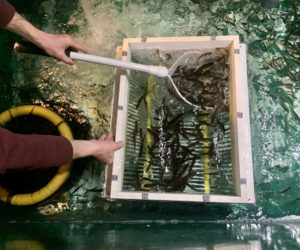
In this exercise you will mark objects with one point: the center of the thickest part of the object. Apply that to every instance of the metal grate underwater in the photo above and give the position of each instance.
(198, 147)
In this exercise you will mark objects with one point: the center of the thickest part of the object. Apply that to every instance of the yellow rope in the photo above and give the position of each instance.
(205, 158)
(150, 92)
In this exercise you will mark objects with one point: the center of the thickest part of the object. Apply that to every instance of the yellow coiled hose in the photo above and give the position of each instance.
(62, 172)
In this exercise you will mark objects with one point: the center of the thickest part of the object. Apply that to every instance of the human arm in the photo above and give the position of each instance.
(53, 44)
(103, 148)
(7, 12)
(18, 151)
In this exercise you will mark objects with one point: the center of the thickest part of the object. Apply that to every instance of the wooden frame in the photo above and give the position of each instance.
(239, 116)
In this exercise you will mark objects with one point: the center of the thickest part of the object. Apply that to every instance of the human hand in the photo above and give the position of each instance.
(103, 148)
(56, 44)
(53, 44)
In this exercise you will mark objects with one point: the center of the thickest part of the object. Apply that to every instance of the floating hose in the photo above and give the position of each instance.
(63, 171)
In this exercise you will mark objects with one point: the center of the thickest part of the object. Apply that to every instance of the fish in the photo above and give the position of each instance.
(175, 121)
(179, 185)
(142, 142)
(193, 144)
(150, 185)
(221, 126)
(150, 180)
(153, 133)
(76, 189)
(193, 188)
(285, 190)
(134, 133)
(174, 147)
(137, 177)
(94, 189)
(150, 151)
(142, 98)
(296, 116)
(148, 167)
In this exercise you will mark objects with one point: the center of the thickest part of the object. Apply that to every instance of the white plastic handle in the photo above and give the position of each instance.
(153, 70)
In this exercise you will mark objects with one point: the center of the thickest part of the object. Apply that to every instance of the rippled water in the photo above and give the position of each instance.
(271, 30)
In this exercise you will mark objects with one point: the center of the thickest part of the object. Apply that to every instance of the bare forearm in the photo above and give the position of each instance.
(82, 148)
(103, 148)
(32, 151)
(53, 44)
(25, 29)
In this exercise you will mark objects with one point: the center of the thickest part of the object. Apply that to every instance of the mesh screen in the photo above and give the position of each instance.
(171, 147)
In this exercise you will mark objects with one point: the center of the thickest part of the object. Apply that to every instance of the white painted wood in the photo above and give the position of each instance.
(235, 107)
(247, 154)
(120, 136)
(177, 197)
(178, 43)
(240, 126)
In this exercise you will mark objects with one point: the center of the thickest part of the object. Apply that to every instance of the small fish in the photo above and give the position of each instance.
(206, 123)
(150, 151)
(213, 173)
(179, 185)
(95, 189)
(206, 92)
(296, 116)
(148, 168)
(76, 189)
(221, 125)
(191, 158)
(197, 156)
(214, 114)
(134, 133)
(150, 185)
(187, 149)
(168, 56)
(193, 144)
(224, 108)
(183, 134)
(285, 190)
(142, 98)
(153, 133)
(292, 76)
(193, 188)
(137, 176)
(142, 143)
(150, 180)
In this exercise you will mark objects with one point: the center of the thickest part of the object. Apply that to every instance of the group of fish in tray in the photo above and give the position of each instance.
(176, 142)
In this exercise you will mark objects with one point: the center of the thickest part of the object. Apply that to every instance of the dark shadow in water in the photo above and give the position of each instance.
(24, 181)
(269, 4)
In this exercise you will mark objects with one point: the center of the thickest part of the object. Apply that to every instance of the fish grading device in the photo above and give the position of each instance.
(172, 152)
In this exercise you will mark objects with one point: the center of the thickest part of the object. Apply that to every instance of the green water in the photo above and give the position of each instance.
(76, 217)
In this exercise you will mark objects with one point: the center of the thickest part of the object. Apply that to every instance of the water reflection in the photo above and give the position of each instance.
(147, 234)
(271, 31)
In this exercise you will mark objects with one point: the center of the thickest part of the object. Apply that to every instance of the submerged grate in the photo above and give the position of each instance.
(169, 146)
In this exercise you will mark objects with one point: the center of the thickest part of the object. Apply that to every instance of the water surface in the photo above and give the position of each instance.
(82, 93)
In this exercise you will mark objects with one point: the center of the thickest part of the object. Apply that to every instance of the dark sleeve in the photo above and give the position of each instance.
(32, 151)
(7, 12)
